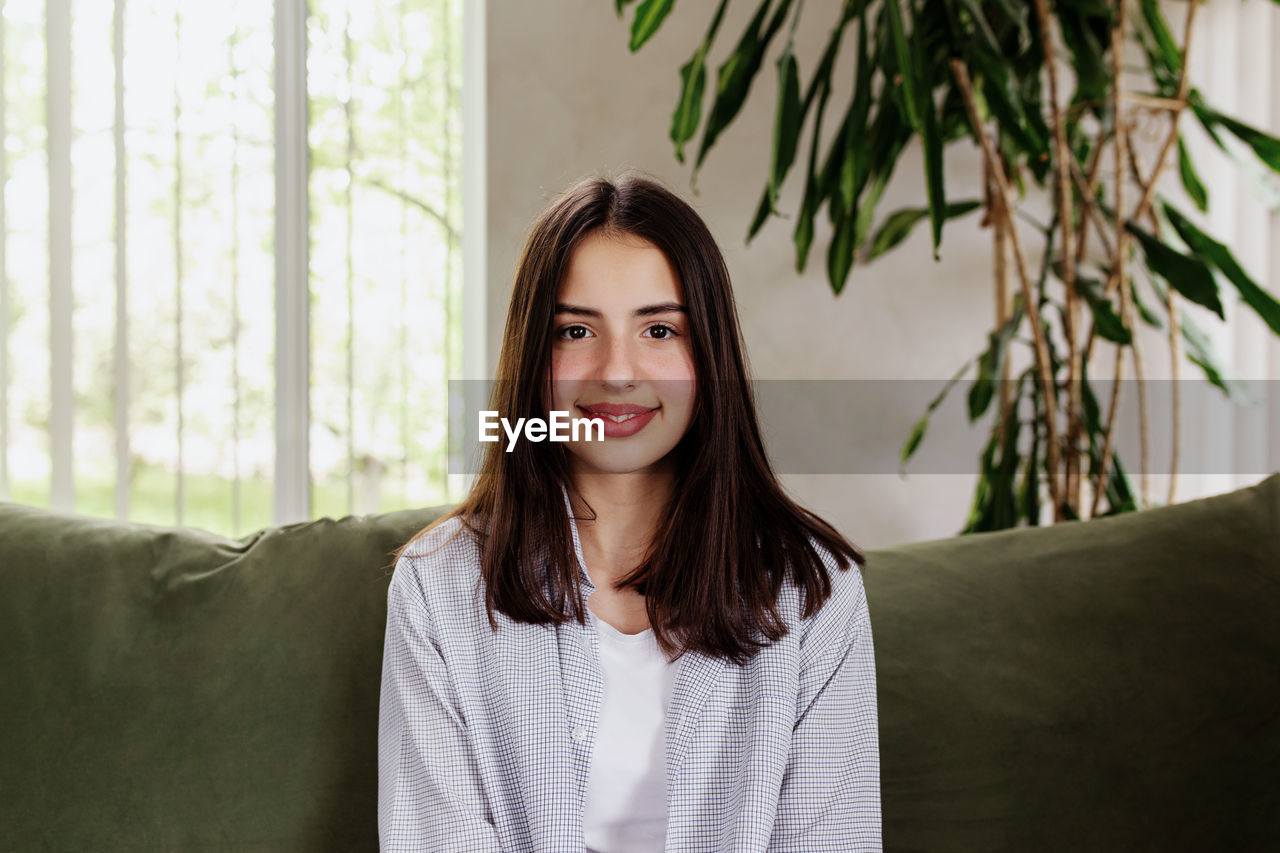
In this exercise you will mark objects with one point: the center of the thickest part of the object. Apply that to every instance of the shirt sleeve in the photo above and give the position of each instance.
(429, 794)
(830, 795)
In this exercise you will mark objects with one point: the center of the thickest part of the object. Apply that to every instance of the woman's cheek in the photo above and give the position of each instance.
(677, 365)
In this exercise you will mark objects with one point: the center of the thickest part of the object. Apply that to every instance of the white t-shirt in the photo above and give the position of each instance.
(626, 796)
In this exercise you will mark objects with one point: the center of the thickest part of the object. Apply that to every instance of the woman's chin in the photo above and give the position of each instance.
(620, 461)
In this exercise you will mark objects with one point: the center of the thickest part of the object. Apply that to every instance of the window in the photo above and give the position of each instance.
(231, 267)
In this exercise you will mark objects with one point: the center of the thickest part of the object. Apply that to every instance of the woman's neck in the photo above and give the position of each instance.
(628, 509)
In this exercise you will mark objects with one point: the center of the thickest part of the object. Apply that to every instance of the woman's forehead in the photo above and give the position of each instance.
(616, 270)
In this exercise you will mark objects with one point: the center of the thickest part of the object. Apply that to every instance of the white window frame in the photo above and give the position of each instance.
(292, 362)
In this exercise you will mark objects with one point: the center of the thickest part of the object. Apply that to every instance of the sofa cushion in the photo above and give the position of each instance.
(1112, 684)
(168, 689)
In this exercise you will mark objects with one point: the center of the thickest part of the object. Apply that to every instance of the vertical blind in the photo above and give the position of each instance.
(230, 256)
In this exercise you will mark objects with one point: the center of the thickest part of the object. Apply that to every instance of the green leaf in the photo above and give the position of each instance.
(995, 504)
(974, 10)
(1190, 179)
(898, 225)
(814, 192)
(1189, 276)
(786, 122)
(932, 136)
(1117, 491)
(885, 141)
(904, 70)
(855, 168)
(1006, 105)
(649, 16)
(867, 207)
(819, 85)
(933, 175)
(734, 76)
(1016, 13)
(1106, 322)
(1166, 47)
(1200, 352)
(822, 77)
(991, 362)
(1265, 146)
(917, 434)
(688, 114)
(619, 5)
(762, 215)
(1004, 497)
(803, 235)
(895, 229)
(978, 511)
(840, 252)
(1150, 317)
(1088, 58)
(1205, 116)
(1263, 303)
(693, 79)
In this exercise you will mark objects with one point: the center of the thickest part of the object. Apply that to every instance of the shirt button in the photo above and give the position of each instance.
(579, 734)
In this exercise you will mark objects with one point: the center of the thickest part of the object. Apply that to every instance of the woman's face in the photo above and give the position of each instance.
(621, 352)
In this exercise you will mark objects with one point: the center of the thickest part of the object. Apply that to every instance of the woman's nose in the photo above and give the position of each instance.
(619, 368)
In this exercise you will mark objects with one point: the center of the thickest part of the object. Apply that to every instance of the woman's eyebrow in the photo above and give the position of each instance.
(647, 310)
(660, 308)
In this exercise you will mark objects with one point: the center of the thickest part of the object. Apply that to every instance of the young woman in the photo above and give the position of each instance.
(639, 643)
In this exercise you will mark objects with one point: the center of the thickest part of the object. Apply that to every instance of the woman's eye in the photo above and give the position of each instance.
(573, 333)
(664, 330)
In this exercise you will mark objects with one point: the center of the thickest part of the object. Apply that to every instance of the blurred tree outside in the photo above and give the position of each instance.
(197, 149)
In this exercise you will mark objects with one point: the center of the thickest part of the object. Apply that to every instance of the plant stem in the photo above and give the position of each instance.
(1000, 248)
(1062, 169)
(1121, 155)
(1002, 196)
(1088, 187)
(1155, 103)
(1184, 84)
(1171, 308)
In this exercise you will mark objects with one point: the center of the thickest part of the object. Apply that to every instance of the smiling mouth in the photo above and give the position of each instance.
(621, 415)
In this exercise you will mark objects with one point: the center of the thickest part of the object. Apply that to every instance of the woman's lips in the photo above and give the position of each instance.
(620, 419)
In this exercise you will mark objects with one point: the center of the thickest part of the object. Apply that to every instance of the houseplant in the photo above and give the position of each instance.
(995, 72)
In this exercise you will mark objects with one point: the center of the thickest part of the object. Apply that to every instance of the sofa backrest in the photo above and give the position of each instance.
(168, 689)
(1109, 685)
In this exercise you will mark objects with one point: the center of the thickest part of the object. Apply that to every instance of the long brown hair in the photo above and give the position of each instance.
(712, 575)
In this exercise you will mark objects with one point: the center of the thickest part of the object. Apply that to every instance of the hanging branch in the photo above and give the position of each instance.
(1002, 207)
(1062, 167)
(1125, 157)
(1000, 243)
(1087, 185)
(1120, 147)
(1179, 104)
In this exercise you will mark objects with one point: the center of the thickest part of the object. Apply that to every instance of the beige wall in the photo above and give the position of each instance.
(565, 98)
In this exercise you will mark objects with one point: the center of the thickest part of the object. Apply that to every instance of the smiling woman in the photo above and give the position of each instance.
(622, 349)
(640, 643)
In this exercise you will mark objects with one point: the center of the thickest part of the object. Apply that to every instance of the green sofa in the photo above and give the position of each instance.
(1103, 685)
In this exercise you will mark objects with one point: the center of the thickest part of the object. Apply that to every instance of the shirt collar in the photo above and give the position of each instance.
(587, 586)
